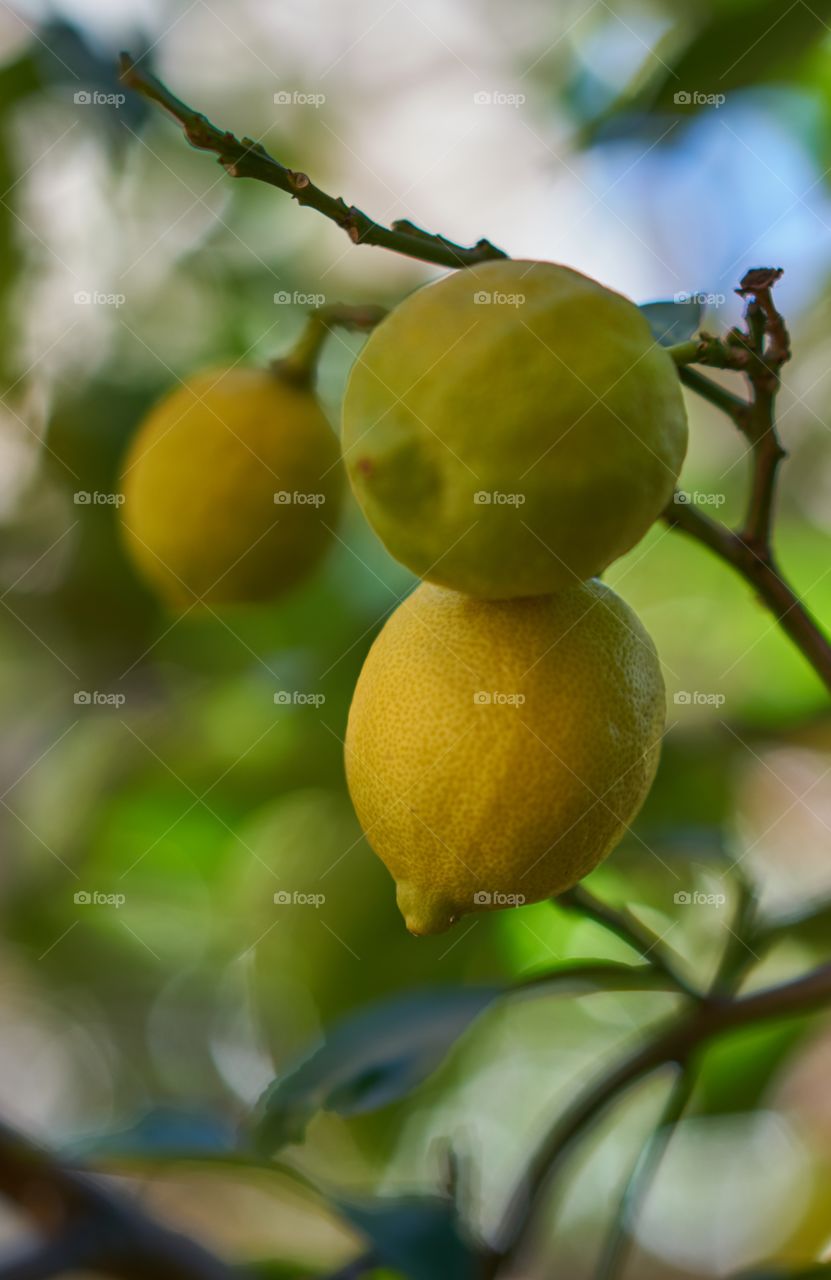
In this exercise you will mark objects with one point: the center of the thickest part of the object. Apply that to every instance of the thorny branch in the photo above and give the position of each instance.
(758, 351)
(244, 158)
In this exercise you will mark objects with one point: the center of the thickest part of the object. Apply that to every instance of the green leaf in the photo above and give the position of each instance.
(736, 46)
(420, 1236)
(383, 1052)
(673, 322)
(370, 1059)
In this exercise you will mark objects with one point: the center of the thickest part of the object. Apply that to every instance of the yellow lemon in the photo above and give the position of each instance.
(513, 428)
(497, 750)
(231, 486)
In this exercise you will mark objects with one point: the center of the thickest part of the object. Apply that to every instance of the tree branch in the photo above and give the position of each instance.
(734, 406)
(676, 1041)
(616, 1248)
(763, 575)
(118, 1237)
(759, 352)
(248, 159)
(630, 930)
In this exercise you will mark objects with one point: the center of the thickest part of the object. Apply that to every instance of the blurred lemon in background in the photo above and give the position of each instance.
(231, 487)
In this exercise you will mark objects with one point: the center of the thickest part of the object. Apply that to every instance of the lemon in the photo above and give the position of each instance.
(230, 487)
(513, 428)
(497, 750)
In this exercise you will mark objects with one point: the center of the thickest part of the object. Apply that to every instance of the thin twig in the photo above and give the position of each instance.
(734, 406)
(616, 1248)
(244, 158)
(739, 955)
(629, 929)
(763, 575)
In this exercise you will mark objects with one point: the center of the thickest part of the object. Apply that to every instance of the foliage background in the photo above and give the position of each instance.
(199, 797)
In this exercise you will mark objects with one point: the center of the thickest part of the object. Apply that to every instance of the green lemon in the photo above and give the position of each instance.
(231, 488)
(513, 428)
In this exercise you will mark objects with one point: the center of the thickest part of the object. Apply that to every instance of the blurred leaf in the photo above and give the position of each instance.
(738, 46)
(420, 1236)
(381, 1053)
(673, 322)
(164, 1131)
(742, 45)
(370, 1059)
